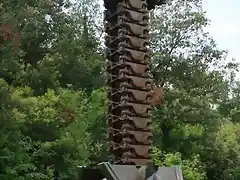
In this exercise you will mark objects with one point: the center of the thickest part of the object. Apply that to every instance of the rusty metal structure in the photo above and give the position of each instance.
(131, 96)
(130, 88)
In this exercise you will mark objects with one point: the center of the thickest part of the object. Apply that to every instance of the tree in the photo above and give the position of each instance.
(56, 47)
(183, 56)
(53, 100)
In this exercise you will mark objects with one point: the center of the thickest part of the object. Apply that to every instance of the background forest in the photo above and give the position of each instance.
(53, 98)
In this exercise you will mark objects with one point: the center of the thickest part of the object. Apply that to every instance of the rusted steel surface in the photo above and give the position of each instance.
(131, 93)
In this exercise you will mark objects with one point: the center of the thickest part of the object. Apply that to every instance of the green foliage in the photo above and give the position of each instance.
(53, 98)
(192, 167)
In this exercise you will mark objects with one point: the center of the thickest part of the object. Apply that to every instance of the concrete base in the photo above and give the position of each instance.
(107, 171)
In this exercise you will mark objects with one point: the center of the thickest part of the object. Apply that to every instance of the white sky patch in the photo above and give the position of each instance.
(225, 25)
(224, 31)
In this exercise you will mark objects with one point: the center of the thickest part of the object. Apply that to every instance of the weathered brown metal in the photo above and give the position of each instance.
(131, 96)
(130, 89)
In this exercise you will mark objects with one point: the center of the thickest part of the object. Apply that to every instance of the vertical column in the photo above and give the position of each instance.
(128, 82)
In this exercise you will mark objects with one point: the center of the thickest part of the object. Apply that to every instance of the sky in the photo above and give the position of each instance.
(225, 24)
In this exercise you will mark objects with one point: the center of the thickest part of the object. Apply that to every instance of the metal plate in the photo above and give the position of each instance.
(108, 171)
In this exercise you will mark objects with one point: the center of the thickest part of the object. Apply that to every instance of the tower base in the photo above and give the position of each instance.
(107, 171)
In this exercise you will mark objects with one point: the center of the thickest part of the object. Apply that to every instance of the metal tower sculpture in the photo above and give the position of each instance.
(131, 95)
